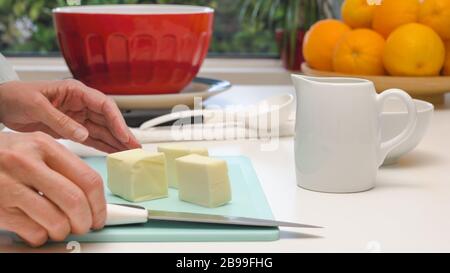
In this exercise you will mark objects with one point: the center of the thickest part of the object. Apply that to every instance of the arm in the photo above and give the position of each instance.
(7, 74)
(45, 190)
(63, 109)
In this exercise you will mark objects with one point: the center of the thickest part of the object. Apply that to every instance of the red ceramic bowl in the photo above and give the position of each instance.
(134, 49)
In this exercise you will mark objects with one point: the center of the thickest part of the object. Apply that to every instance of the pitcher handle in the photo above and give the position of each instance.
(394, 142)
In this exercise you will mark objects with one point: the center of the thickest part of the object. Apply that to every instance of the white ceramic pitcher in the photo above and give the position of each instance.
(338, 146)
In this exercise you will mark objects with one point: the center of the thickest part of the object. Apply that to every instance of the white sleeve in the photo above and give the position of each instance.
(7, 73)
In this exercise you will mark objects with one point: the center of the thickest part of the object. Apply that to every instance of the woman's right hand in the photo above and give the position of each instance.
(46, 192)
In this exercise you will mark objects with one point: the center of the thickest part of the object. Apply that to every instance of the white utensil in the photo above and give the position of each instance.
(281, 105)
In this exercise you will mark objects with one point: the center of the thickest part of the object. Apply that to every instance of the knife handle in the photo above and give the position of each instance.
(125, 215)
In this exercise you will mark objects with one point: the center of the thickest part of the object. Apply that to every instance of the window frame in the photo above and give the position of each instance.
(239, 71)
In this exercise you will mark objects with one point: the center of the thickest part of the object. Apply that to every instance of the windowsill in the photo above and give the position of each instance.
(237, 71)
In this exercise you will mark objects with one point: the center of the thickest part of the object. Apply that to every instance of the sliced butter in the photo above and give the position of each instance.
(137, 175)
(203, 180)
(174, 151)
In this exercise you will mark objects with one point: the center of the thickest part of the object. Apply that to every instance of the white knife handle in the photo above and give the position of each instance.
(123, 215)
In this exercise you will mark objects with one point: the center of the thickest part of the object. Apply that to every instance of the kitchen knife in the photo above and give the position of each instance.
(130, 214)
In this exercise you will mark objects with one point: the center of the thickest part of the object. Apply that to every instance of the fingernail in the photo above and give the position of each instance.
(80, 134)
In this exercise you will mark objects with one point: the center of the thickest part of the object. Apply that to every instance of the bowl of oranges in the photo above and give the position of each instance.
(393, 43)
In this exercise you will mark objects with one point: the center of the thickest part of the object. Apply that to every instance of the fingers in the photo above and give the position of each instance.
(102, 134)
(100, 104)
(71, 167)
(100, 145)
(101, 137)
(96, 131)
(99, 119)
(96, 141)
(16, 221)
(115, 121)
(59, 122)
(69, 199)
(133, 143)
(41, 211)
(37, 127)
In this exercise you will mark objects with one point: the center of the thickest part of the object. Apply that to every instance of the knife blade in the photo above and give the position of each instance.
(123, 214)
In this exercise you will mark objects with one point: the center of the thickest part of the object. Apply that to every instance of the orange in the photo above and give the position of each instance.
(357, 13)
(360, 52)
(391, 14)
(414, 50)
(436, 14)
(319, 43)
(447, 59)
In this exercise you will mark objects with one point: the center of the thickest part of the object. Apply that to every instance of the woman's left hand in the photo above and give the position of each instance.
(65, 109)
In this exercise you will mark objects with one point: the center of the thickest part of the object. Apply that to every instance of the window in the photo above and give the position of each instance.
(26, 27)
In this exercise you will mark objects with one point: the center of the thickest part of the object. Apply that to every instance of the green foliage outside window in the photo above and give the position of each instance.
(26, 26)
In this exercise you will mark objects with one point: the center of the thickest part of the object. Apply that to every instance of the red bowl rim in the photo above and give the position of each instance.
(133, 9)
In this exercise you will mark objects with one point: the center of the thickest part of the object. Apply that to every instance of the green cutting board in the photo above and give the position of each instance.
(248, 201)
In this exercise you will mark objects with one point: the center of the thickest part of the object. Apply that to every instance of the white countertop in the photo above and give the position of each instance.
(407, 211)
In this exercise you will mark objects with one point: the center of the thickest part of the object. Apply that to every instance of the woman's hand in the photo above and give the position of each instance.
(45, 190)
(65, 109)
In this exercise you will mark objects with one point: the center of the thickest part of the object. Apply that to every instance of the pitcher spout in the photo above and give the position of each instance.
(297, 78)
(301, 82)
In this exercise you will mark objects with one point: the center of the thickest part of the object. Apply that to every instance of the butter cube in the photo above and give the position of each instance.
(174, 151)
(203, 180)
(137, 175)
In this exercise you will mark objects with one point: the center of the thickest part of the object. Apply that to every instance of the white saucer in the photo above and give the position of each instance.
(200, 87)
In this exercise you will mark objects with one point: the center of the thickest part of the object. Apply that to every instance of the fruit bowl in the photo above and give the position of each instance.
(416, 86)
(134, 49)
